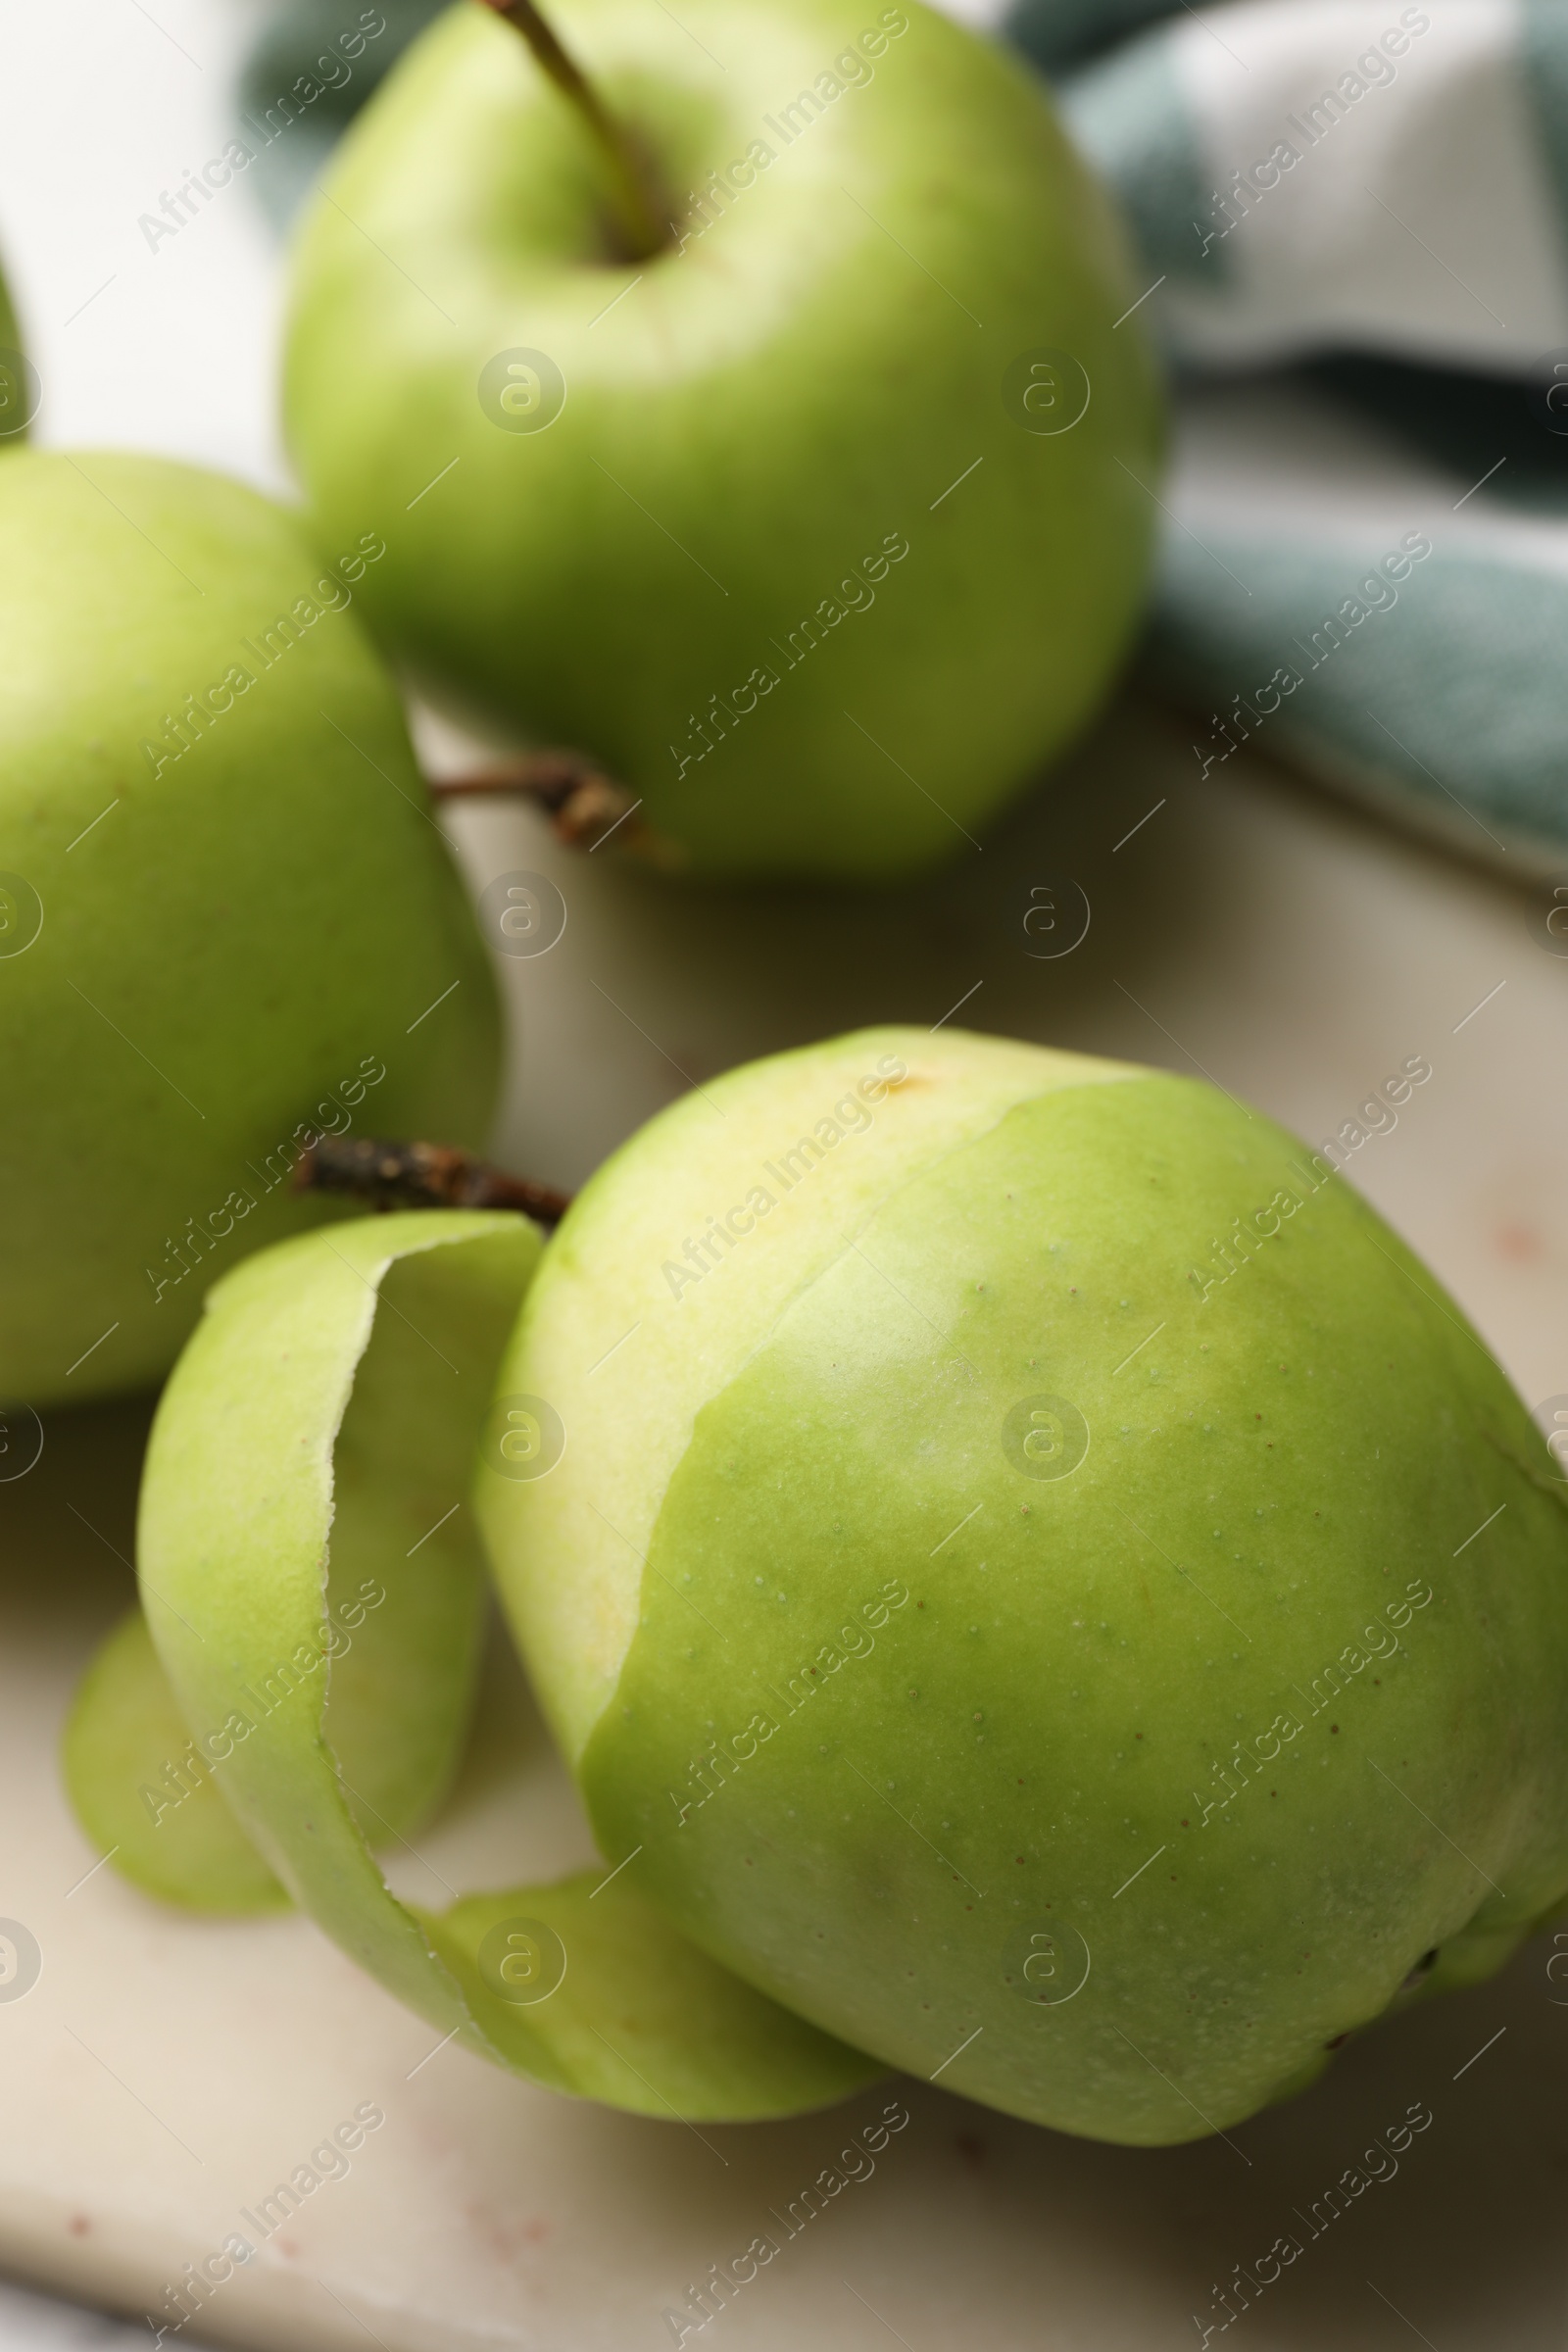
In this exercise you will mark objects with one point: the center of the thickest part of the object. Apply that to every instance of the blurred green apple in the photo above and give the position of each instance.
(18, 380)
(228, 921)
(823, 524)
(1035, 1577)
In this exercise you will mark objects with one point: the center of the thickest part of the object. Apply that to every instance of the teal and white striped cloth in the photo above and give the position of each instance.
(1352, 222)
(1352, 215)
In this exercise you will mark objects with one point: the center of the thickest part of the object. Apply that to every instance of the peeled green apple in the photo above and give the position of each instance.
(1030, 1573)
(821, 525)
(228, 921)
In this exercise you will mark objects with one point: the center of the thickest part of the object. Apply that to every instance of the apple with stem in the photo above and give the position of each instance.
(747, 401)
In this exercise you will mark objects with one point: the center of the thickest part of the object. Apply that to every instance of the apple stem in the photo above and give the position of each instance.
(585, 804)
(645, 232)
(415, 1175)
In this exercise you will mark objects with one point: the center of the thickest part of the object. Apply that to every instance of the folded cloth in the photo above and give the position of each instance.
(1352, 221)
(1366, 558)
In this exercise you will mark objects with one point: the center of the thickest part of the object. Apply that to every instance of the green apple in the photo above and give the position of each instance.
(19, 381)
(1037, 1577)
(228, 921)
(823, 524)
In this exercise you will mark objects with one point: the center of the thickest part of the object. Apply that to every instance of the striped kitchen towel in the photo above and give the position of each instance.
(1353, 217)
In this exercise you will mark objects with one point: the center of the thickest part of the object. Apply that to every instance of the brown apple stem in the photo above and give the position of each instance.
(585, 804)
(414, 1175)
(645, 232)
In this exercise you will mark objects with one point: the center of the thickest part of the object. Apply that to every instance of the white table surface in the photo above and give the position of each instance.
(165, 2071)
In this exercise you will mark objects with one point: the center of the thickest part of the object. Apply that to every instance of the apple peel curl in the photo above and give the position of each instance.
(313, 1630)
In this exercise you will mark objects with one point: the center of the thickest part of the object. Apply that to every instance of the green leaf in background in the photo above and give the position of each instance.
(312, 1584)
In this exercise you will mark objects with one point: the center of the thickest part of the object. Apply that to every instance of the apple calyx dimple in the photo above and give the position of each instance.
(639, 220)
